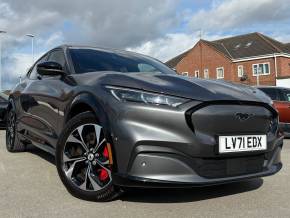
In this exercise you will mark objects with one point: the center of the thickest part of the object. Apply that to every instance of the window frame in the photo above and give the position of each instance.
(217, 70)
(283, 95)
(28, 75)
(184, 74)
(196, 73)
(63, 52)
(242, 71)
(262, 74)
(206, 72)
(274, 91)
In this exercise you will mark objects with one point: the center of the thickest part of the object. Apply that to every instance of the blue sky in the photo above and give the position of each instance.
(161, 28)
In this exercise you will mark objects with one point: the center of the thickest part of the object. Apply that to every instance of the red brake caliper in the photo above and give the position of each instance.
(103, 174)
(106, 152)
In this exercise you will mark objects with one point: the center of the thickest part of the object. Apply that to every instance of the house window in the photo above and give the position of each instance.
(262, 69)
(196, 73)
(240, 71)
(220, 73)
(184, 73)
(206, 74)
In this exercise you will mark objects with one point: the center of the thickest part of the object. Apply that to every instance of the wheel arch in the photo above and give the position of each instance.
(85, 102)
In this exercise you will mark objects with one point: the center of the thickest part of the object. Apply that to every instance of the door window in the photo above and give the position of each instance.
(143, 67)
(286, 95)
(32, 74)
(58, 57)
(272, 93)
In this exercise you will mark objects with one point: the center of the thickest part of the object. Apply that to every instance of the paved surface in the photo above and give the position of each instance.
(30, 187)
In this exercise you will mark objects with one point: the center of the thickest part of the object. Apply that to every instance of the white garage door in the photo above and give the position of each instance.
(283, 83)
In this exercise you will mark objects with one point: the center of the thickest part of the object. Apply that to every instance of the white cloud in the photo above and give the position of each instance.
(12, 72)
(54, 39)
(146, 26)
(172, 45)
(22, 62)
(280, 36)
(167, 47)
(233, 14)
(103, 22)
(5, 11)
(108, 23)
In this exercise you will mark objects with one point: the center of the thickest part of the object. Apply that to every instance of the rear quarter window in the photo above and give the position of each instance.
(272, 93)
(286, 95)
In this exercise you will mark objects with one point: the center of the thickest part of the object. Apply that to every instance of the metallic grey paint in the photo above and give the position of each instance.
(170, 141)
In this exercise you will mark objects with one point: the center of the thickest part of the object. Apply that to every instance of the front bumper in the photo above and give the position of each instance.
(162, 173)
(157, 146)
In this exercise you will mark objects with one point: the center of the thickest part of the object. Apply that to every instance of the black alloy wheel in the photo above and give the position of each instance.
(84, 159)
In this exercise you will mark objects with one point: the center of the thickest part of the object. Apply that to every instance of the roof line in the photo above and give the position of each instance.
(179, 55)
(210, 44)
(268, 41)
(230, 37)
(189, 50)
(270, 55)
(273, 46)
(226, 50)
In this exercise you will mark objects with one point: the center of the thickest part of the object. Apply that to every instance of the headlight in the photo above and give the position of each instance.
(132, 95)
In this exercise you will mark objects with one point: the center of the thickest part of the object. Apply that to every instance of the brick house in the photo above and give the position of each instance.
(237, 59)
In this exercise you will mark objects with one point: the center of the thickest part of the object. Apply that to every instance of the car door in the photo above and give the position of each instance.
(3, 109)
(275, 95)
(24, 99)
(40, 99)
(284, 106)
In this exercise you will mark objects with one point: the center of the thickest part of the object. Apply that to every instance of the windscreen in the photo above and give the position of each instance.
(91, 60)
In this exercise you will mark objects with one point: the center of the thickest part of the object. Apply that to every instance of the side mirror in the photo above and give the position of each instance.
(49, 68)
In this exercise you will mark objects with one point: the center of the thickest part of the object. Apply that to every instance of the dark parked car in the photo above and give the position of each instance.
(3, 109)
(281, 99)
(117, 119)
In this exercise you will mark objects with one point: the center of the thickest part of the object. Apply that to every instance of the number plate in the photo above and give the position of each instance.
(229, 144)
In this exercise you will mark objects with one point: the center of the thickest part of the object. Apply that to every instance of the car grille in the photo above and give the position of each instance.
(227, 167)
(222, 119)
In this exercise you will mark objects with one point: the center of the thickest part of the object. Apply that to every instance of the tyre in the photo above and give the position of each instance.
(84, 160)
(13, 143)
